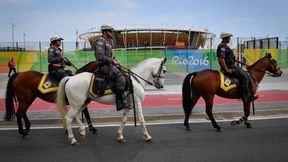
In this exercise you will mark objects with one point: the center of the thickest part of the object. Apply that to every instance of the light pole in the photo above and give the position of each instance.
(24, 39)
(286, 43)
(13, 26)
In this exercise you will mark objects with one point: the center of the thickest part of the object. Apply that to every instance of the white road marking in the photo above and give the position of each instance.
(163, 122)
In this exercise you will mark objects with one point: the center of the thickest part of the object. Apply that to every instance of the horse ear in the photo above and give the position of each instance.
(268, 55)
(165, 59)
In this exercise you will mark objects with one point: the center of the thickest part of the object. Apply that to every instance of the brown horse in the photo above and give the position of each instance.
(206, 84)
(23, 87)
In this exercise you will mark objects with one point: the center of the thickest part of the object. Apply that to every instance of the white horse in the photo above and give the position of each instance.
(76, 90)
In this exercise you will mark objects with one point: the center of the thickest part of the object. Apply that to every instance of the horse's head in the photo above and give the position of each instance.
(273, 67)
(158, 74)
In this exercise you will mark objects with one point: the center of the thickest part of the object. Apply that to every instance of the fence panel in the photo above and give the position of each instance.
(34, 57)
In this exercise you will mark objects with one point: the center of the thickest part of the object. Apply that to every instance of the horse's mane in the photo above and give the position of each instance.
(257, 62)
(149, 60)
(86, 65)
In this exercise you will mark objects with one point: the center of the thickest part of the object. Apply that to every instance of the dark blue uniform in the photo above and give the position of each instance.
(224, 51)
(56, 63)
(104, 54)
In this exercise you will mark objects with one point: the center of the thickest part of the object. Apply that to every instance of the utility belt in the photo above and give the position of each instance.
(55, 66)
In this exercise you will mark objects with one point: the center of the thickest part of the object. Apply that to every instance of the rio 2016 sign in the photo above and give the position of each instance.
(192, 61)
(189, 60)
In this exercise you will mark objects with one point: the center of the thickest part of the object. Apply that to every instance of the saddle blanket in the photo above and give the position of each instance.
(99, 87)
(47, 85)
(227, 83)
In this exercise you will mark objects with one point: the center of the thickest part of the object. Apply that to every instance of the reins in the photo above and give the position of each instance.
(136, 75)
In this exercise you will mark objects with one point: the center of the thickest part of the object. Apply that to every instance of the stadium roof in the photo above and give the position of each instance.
(152, 37)
(126, 29)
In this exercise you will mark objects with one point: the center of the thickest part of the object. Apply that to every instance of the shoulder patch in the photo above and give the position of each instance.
(100, 43)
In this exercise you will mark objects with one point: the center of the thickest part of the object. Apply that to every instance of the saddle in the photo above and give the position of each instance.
(100, 85)
(228, 81)
(48, 84)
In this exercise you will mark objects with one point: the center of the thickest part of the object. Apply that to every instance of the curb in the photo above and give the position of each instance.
(225, 115)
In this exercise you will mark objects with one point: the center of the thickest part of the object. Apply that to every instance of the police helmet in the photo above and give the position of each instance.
(225, 35)
(106, 27)
(55, 37)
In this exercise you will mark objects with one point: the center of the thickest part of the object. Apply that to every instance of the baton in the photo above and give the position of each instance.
(70, 63)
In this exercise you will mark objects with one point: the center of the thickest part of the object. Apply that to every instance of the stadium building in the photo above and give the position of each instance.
(153, 38)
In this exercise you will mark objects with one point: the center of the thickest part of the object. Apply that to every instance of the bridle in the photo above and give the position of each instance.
(264, 71)
(261, 71)
(156, 77)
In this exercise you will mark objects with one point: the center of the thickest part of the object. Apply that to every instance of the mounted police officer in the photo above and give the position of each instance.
(56, 59)
(108, 65)
(226, 59)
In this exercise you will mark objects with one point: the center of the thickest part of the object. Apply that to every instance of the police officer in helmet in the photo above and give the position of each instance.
(108, 65)
(56, 59)
(226, 59)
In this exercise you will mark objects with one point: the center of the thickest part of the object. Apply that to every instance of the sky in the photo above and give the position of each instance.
(40, 19)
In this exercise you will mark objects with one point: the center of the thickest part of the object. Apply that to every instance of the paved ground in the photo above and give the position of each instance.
(266, 141)
(273, 101)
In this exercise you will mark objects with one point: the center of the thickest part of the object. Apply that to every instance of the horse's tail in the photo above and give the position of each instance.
(10, 98)
(186, 93)
(60, 100)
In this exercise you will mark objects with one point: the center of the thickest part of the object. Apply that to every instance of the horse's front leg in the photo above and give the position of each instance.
(244, 118)
(141, 119)
(120, 136)
(246, 114)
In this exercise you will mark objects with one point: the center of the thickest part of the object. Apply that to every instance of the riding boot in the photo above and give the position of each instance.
(248, 96)
(120, 102)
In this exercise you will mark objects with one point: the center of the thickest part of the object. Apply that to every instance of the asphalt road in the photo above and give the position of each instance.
(266, 141)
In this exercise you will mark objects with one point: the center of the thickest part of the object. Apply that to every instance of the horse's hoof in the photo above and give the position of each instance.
(120, 137)
(93, 130)
(220, 130)
(26, 136)
(234, 122)
(73, 142)
(248, 125)
(76, 143)
(188, 129)
(121, 140)
(148, 140)
(82, 137)
(147, 137)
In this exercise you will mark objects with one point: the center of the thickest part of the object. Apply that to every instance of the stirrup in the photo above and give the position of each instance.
(252, 98)
(120, 105)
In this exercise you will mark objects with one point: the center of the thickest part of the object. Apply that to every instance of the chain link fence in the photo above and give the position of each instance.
(33, 55)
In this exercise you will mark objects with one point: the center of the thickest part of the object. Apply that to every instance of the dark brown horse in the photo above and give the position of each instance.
(23, 88)
(206, 84)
